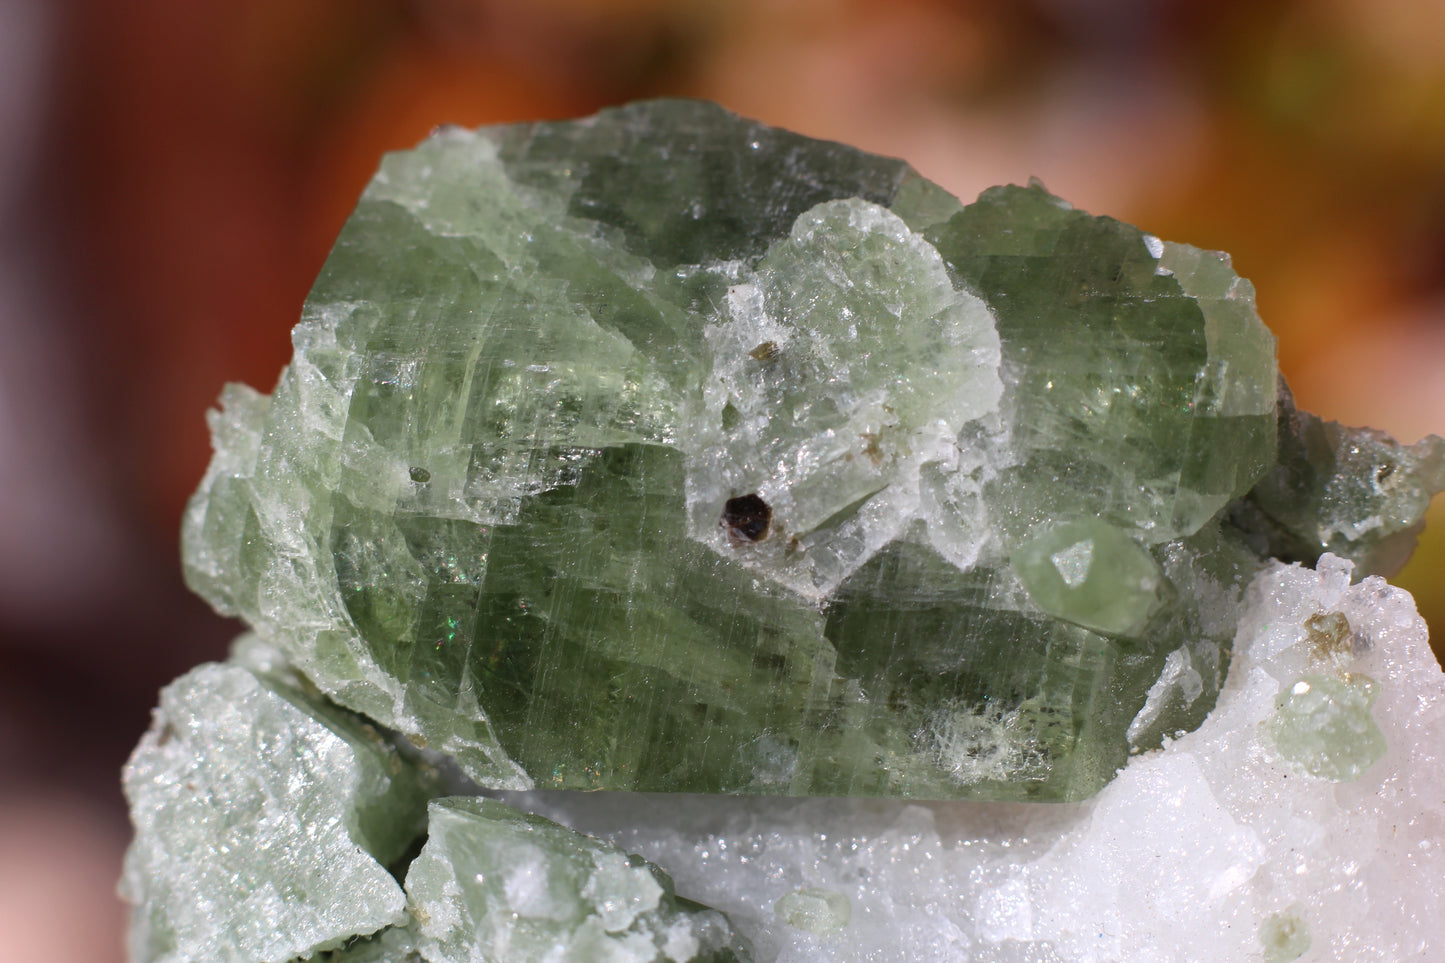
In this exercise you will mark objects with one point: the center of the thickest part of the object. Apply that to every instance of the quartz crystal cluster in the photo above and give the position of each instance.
(669, 453)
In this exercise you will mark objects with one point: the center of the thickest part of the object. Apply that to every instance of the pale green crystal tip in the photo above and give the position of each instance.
(1322, 725)
(817, 910)
(663, 450)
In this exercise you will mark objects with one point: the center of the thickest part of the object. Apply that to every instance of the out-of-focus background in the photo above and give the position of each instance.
(172, 174)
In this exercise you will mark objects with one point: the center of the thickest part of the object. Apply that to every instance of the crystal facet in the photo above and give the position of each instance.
(494, 883)
(663, 450)
(264, 822)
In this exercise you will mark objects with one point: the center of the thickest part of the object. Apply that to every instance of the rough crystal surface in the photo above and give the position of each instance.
(494, 883)
(264, 820)
(1216, 847)
(663, 450)
(817, 910)
(1353, 492)
(271, 825)
(1322, 724)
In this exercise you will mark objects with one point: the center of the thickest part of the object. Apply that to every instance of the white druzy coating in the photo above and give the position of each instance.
(248, 845)
(1216, 848)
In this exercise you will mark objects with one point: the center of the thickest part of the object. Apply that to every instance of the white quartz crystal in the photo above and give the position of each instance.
(1220, 847)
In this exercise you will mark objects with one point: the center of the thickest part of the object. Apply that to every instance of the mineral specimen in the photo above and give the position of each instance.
(666, 451)
(269, 825)
(492, 883)
(1219, 848)
(264, 819)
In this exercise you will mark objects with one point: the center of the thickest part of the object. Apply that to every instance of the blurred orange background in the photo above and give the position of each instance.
(172, 174)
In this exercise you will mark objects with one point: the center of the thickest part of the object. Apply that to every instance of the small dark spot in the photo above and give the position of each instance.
(747, 517)
(699, 709)
(767, 351)
(730, 417)
(420, 475)
(872, 449)
(168, 732)
(1384, 472)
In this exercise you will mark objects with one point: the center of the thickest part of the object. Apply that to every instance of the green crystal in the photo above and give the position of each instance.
(1091, 573)
(1322, 725)
(272, 825)
(494, 883)
(264, 818)
(663, 450)
(395, 944)
(1354, 492)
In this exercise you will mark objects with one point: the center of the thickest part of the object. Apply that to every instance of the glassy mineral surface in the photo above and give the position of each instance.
(493, 883)
(663, 450)
(1223, 845)
(265, 820)
(272, 825)
(1218, 848)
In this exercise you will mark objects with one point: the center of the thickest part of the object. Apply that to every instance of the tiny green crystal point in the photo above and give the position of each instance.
(666, 451)
(1322, 725)
(1091, 573)
(821, 911)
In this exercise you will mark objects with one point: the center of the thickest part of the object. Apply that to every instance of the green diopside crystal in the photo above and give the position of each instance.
(1322, 725)
(1354, 492)
(663, 450)
(495, 883)
(273, 826)
(264, 819)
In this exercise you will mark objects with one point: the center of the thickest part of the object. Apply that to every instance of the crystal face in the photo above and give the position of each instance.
(495, 883)
(265, 820)
(666, 451)
(273, 826)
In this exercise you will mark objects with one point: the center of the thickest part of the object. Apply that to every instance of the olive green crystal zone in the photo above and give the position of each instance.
(546, 341)
(612, 651)
(272, 824)
(686, 182)
(1113, 372)
(1354, 492)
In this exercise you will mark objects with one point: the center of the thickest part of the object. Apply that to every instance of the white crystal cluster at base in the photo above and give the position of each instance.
(1215, 849)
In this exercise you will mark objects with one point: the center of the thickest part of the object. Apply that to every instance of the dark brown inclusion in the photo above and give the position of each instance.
(747, 517)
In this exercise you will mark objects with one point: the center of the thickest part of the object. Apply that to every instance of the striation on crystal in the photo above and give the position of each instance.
(273, 826)
(265, 820)
(663, 450)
